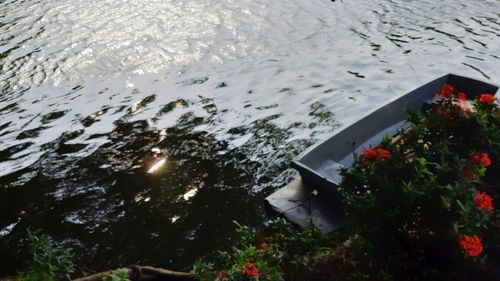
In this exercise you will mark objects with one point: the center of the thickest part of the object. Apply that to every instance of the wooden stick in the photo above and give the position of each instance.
(144, 273)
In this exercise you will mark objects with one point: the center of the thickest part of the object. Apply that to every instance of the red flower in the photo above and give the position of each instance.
(223, 274)
(442, 111)
(369, 154)
(377, 153)
(439, 110)
(263, 246)
(469, 174)
(472, 245)
(383, 153)
(487, 98)
(445, 92)
(462, 96)
(483, 201)
(250, 270)
(481, 159)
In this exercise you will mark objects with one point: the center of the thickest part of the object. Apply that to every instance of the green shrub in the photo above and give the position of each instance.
(280, 252)
(48, 262)
(423, 202)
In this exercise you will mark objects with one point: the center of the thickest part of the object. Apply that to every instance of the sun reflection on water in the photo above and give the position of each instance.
(157, 166)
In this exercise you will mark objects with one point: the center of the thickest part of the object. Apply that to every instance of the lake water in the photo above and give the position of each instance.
(137, 131)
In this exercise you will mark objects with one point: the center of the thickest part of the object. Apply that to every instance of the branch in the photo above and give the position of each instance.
(144, 273)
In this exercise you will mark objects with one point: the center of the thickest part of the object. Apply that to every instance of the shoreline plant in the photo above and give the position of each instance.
(423, 201)
(49, 262)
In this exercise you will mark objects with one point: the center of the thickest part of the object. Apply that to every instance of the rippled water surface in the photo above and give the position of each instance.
(137, 131)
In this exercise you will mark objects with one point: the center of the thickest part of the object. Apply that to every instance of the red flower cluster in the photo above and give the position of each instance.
(487, 98)
(369, 154)
(250, 270)
(263, 246)
(442, 111)
(481, 159)
(383, 153)
(483, 201)
(445, 92)
(377, 153)
(223, 274)
(472, 245)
